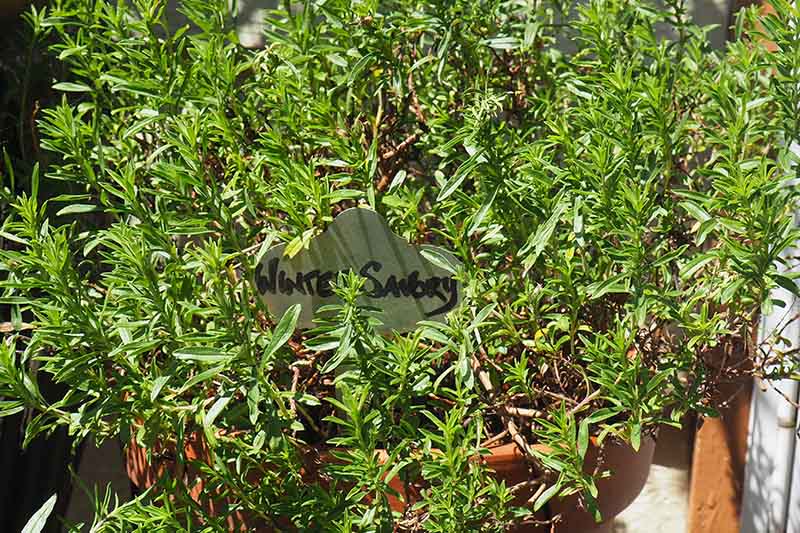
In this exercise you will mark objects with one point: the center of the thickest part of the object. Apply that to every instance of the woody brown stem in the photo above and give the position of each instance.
(391, 154)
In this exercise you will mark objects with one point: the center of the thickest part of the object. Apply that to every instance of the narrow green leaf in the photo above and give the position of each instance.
(695, 264)
(14, 300)
(704, 230)
(435, 256)
(202, 354)
(577, 221)
(358, 67)
(215, 410)
(8, 408)
(538, 240)
(669, 257)
(482, 315)
(202, 376)
(611, 285)
(10, 170)
(35, 182)
(731, 289)
(139, 125)
(483, 211)
(77, 208)
(786, 283)
(253, 401)
(591, 502)
(341, 353)
(732, 225)
(398, 180)
(546, 496)
(70, 197)
(260, 439)
(282, 332)
(603, 414)
(158, 384)
(461, 173)
(337, 60)
(503, 43)
(583, 437)
(695, 210)
(37, 522)
(636, 436)
(71, 87)
(294, 246)
(442, 52)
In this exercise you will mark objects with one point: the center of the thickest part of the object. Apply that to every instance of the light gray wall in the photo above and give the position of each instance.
(252, 12)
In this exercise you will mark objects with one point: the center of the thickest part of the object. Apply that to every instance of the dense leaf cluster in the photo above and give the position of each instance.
(619, 201)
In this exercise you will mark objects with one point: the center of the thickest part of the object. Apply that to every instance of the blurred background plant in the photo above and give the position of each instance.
(26, 73)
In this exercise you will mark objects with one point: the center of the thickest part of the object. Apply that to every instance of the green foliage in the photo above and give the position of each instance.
(619, 203)
(39, 518)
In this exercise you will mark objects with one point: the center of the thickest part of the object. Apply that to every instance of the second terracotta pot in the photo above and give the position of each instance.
(629, 470)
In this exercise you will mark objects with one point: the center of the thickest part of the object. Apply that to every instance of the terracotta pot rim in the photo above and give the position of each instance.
(502, 458)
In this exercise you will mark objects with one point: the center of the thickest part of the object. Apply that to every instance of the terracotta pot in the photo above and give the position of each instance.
(144, 475)
(629, 473)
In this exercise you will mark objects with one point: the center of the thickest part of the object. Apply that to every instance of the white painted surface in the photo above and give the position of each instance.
(771, 440)
(793, 507)
(793, 504)
(771, 502)
(770, 450)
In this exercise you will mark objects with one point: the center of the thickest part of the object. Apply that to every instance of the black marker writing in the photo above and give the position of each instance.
(318, 283)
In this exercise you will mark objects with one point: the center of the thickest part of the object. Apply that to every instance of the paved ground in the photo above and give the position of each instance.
(662, 507)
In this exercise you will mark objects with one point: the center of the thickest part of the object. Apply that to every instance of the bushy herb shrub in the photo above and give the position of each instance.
(619, 202)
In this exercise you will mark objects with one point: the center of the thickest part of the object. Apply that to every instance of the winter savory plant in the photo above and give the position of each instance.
(617, 194)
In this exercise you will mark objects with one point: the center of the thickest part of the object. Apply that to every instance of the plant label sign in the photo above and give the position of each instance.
(401, 281)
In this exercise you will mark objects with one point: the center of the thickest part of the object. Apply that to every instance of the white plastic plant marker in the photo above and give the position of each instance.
(401, 282)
